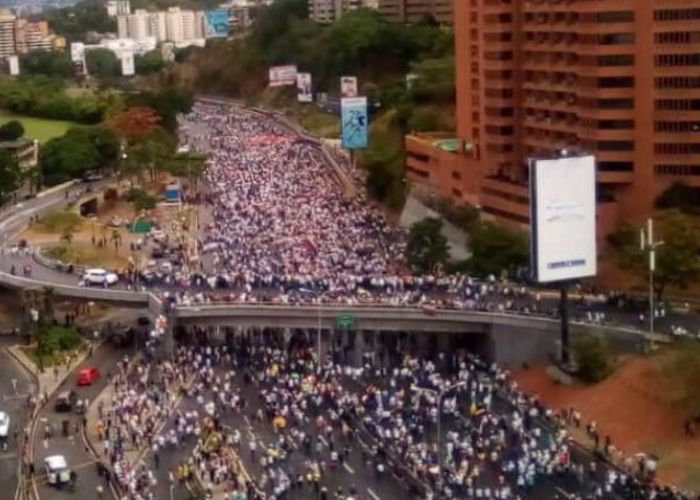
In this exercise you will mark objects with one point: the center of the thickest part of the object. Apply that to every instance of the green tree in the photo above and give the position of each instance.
(427, 246)
(681, 197)
(593, 359)
(10, 174)
(496, 249)
(102, 63)
(11, 131)
(68, 157)
(150, 62)
(76, 21)
(56, 64)
(677, 261)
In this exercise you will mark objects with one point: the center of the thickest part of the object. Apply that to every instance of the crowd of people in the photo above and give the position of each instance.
(496, 442)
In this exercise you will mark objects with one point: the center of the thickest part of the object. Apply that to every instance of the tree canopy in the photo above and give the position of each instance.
(496, 249)
(74, 22)
(76, 152)
(11, 131)
(677, 261)
(10, 174)
(427, 246)
(48, 63)
(102, 63)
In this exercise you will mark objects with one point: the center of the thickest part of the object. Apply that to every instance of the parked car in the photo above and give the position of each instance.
(88, 375)
(65, 401)
(57, 471)
(4, 425)
(99, 277)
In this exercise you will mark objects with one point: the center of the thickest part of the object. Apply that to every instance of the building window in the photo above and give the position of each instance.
(456, 192)
(676, 14)
(677, 82)
(615, 124)
(619, 16)
(677, 104)
(687, 148)
(619, 103)
(616, 82)
(456, 175)
(677, 37)
(615, 60)
(615, 145)
(665, 60)
(615, 38)
(677, 127)
(615, 166)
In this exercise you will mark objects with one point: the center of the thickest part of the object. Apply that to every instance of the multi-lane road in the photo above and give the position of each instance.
(16, 386)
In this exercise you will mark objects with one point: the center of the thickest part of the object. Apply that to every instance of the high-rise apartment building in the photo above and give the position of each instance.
(413, 11)
(7, 33)
(619, 79)
(157, 26)
(118, 7)
(138, 25)
(329, 11)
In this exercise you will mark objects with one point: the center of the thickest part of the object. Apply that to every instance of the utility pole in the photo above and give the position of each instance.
(647, 244)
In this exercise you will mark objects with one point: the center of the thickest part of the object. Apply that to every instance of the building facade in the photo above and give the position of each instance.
(7, 33)
(619, 79)
(413, 11)
(329, 11)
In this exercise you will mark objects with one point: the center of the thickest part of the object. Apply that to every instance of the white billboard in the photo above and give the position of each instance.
(77, 52)
(348, 86)
(13, 62)
(563, 218)
(304, 93)
(283, 75)
(128, 66)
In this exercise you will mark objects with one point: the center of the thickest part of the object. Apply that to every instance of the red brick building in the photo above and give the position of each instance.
(619, 79)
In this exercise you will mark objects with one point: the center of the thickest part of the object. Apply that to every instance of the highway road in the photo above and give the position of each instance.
(16, 386)
(73, 447)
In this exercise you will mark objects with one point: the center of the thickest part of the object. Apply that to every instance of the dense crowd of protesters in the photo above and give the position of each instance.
(496, 442)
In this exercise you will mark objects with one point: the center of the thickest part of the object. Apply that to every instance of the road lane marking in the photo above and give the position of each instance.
(373, 494)
(348, 468)
(323, 440)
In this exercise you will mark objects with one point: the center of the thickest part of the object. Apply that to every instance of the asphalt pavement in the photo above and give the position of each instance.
(16, 386)
(73, 447)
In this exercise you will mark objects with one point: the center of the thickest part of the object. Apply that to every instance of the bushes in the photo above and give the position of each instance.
(11, 131)
(57, 338)
(141, 199)
(44, 98)
(592, 358)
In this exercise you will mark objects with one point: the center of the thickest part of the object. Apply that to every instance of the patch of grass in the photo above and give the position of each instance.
(37, 128)
(60, 220)
(87, 254)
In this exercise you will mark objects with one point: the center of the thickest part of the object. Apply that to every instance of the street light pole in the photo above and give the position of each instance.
(648, 244)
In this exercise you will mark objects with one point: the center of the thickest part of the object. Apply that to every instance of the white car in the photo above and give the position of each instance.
(99, 277)
(57, 470)
(4, 424)
(157, 234)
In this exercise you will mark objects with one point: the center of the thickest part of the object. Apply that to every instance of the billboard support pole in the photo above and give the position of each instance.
(564, 317)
